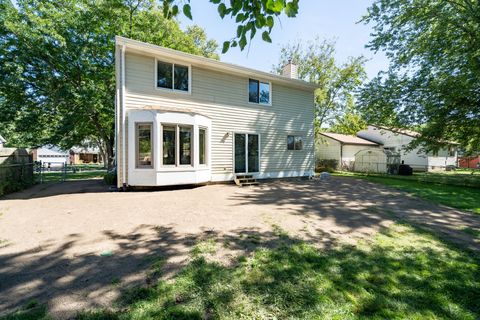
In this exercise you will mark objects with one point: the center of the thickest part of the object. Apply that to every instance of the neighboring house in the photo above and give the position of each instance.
(51, 156)
(2, 141)
(85, 155)
(342, 148)
(183, 119)
(472, 162)
(397, 141)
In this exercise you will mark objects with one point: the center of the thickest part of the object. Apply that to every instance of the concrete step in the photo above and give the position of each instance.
(244, 176)
(249, 184)
(245, 180)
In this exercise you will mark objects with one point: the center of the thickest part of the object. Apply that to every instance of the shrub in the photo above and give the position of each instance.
(15, 177)
(329, 165)
(111, 177)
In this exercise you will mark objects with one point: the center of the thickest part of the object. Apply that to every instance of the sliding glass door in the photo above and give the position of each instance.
(247, 156)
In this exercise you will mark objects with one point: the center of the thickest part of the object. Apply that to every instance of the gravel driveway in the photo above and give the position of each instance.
(74, 245)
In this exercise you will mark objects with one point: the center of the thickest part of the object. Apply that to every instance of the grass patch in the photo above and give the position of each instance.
(402, 273)
(207, 246)
(79, 175)
(453, 178)
(464, 198)
(32, 311)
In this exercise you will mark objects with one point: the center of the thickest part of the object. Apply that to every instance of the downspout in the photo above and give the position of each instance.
(122, 106)
(341, 156)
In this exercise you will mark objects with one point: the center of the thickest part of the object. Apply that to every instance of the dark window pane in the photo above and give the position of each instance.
(185, 145)
(253, 91)
(253, 153)
(144, 145)
(164, 75)
(298, 143)
(290, 143)
(181, 78)
(264, 93)
(168, 145)
(240, 163)
(202, 141)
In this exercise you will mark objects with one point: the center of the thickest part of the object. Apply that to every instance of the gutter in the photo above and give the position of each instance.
(122, 106)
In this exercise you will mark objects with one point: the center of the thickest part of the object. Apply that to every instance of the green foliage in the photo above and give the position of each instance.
(434, 74)
(250, 16)
(57, 79)
(402, 274)
(15, 178)
(350, 123)
(328, 165)
(110, 178)
(337, 83)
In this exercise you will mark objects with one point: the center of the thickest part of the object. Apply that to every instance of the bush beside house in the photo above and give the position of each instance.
(16, 170)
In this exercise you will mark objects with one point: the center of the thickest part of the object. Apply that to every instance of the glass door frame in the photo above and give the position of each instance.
(246, 134)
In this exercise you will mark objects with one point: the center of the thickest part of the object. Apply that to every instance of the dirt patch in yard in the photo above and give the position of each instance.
(75, 245)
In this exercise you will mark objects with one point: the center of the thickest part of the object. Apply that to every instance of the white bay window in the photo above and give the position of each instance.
(177, 145)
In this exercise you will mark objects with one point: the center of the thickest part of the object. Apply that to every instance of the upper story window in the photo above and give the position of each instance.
(258, 92)
(172, 76)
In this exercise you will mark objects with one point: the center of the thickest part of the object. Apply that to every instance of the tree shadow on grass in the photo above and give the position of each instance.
(404, 273)
(354, 204)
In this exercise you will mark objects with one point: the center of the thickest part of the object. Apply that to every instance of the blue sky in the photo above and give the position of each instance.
(328, 19)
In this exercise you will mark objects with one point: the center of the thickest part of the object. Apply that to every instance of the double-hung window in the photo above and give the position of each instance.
(258, 92)
(294, 143)
(173, 76)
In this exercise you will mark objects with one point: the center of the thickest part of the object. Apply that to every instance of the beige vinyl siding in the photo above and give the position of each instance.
(224, 98)
(327, 148)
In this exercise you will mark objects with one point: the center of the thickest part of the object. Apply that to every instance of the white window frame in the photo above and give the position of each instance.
(246, 133)
(192, 153)
(177, 145)
(137, 145)
(173, 90)
(269, 93)
(206, 146)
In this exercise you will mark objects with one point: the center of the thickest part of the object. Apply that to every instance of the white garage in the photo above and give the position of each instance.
(342, 148)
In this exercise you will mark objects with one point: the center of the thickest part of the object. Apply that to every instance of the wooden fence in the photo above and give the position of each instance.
(16, 170)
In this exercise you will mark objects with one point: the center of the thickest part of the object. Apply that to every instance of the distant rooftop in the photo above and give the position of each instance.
(406, 132)
(347, 139)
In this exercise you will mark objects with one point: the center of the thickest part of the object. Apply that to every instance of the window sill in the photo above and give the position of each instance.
(260, 104)
(182, 169)
(173, 91)
(144, 168)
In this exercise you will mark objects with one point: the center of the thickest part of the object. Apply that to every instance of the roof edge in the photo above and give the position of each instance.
(367, 143)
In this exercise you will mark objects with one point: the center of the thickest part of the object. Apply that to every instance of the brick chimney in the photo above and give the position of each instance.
(290, 70)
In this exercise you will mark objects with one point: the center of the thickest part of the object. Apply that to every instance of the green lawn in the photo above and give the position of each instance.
(435, 189)
(403, 273)
(78, 175)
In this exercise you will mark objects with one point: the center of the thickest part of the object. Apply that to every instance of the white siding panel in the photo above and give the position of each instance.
(327, 148)
(224, 99)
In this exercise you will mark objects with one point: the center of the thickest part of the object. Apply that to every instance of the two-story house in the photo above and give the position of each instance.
(186, 119)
